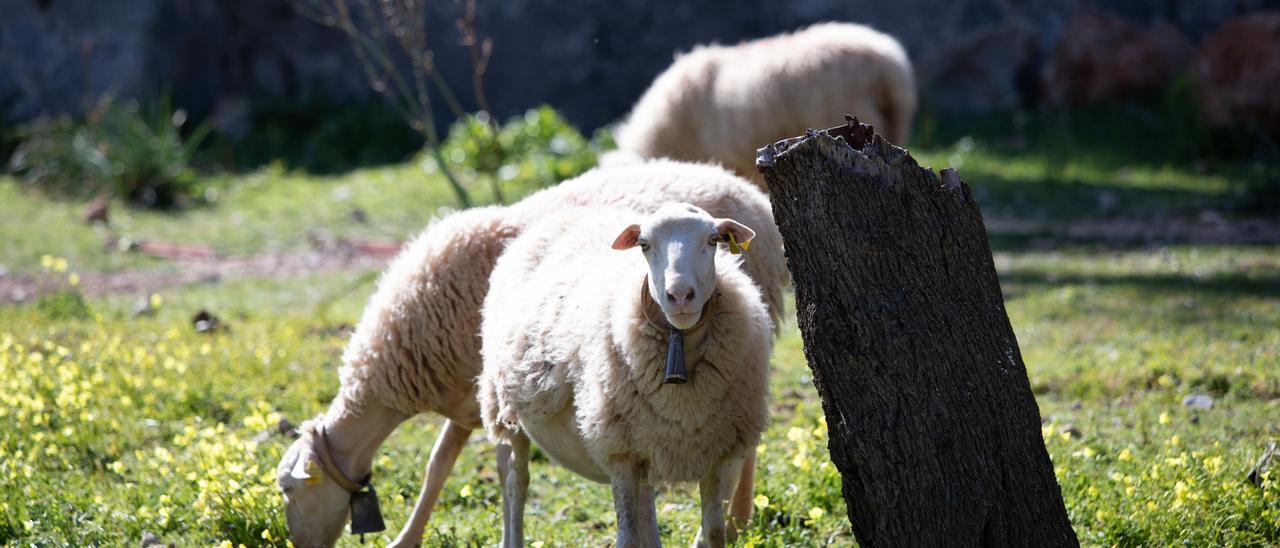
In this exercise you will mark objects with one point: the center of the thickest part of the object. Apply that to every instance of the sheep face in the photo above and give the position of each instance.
(679, 244)
(316, 508)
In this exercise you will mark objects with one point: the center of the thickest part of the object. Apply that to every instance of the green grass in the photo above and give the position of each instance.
(268, 210)
(115, 425)
(1106, 358)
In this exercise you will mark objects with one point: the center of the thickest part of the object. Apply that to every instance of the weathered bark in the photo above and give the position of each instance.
(932, 422)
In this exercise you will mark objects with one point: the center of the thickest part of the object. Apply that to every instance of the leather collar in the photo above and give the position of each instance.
(321, 447)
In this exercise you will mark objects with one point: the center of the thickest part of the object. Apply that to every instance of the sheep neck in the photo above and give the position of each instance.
(354, 437)
(693, 336)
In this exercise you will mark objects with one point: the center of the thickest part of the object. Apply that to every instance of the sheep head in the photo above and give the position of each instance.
(679, 243)
(316, 507)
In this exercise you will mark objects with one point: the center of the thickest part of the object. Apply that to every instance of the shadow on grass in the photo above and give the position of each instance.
(1224, 285)
(1063, 200)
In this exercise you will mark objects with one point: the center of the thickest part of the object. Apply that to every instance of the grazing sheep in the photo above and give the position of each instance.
(721, 103)
(416, 347)
(576, 340)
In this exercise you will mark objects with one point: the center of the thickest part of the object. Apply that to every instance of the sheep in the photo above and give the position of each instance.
(416, 347)
(721, 103)
(575, 361)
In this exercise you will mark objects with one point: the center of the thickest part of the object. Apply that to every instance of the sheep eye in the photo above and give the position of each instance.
(644, 245)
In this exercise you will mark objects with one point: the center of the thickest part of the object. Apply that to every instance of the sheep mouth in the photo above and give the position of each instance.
(684, 320)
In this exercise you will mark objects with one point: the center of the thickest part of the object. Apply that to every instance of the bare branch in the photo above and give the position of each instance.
(404, 22)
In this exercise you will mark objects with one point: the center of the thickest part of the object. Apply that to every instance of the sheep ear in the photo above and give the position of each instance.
(734, 232)
(628, 238)
(305, 469)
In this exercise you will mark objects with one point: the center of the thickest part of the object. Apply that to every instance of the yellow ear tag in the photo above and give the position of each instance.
(735, 247)
(314, 474)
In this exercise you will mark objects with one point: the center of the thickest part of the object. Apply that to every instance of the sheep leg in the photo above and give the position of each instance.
(711, 491)
(628, 501)
(647, 516)
(513, 469)
(742, 504)
(445, 453)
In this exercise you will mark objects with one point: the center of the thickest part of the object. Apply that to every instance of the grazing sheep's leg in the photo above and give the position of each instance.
(445, 453)
(628, 499)
(711, 491)
(513, 471)
(742, 504)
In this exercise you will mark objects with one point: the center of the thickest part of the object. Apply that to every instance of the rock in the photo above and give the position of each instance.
(1198, 401)
(150, 539)
(98, 211)
(1237, 73)
(1103, 57)
(359, 215)
(1268, 458)
(142, 307)
(205, 322)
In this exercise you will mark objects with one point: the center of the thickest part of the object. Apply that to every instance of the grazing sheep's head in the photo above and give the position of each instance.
(679, 243)
(316, 507)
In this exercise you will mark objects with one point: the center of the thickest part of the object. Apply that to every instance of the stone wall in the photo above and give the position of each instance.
(589, 58)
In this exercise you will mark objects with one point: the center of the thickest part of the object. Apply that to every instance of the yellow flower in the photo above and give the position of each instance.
(73, 279)
(266, 535)
(816, 513)
(1126, 455)
(465, 492)
(156, 300)
(762, 501)
(1164, 418)
(1175, 440)
(795, 434)
(46, 262)
(1085, 452)
(1151, 505)
(800, 461)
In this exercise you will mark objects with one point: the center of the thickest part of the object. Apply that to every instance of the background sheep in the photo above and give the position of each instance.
(576, 363)
(721, 103)
(415, 349)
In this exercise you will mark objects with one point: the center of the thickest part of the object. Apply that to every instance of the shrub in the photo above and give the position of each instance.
(123, 149)
(318, 133)
(535, 150)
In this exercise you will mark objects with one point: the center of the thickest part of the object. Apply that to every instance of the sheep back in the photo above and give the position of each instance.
(721, 103)
(415, 348)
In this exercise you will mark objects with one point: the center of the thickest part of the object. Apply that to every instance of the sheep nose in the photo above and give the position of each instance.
(680, 298)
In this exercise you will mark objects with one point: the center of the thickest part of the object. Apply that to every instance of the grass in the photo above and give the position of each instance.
(116, 425)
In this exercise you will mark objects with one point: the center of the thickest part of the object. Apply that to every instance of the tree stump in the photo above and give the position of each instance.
(932, 422)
